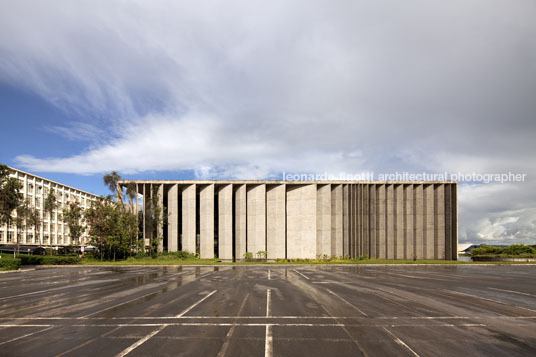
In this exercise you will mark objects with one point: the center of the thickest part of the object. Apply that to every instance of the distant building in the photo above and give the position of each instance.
(52, 232)
(290, 220)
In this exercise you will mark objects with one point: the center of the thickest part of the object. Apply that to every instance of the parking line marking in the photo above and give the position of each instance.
(401, 343)
(268, 345)
(348, 303)
(140, 342)
(27, 335)
(197, 303)
(268, 297)
(483, 298)
(269, 277)
(301, 274)
(119, 304)
(512, 291)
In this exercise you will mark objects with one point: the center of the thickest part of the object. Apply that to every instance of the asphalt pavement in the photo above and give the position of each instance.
(402, 310)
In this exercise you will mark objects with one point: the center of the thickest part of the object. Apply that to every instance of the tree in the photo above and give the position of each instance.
(34, 220)
(112, 180)
(111, 228)
(10, 195)
(155, 218)
(22, 220)
(50, 203)
(73, 218)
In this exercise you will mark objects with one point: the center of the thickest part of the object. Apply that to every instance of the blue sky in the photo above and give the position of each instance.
(233, 89)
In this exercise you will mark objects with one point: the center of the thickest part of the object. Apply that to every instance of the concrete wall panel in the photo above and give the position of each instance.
(256, 218)
(275, 221)
(301, 221)
(336, 220)
(240, 222)
(188, 218)
(225, 222)
(323, 220)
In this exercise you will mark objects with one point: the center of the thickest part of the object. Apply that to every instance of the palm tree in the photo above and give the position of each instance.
(111, 180)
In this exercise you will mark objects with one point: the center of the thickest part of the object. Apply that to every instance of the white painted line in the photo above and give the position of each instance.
(512, 291)
(23, 336)
(132, 347)
(301, 274)
(269, 277)
(59, 288)
(483, 298)
(116, 305)
(268, 345)
(268, 297)
(197, 303)
(401, 343)
(348, 303)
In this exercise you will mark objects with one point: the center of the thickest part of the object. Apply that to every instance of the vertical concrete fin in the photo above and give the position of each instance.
(206, 222)
(240, 221)
(336, 220)
(440, 221)
(275, 221)
(409, 220)
(189, 218)
(173, 218)
(419, 221)
(225, 222)
(400, 245)
(301, 221)
(323, 220)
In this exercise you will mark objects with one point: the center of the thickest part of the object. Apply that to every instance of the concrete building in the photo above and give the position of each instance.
(52, 231)
(226, 219)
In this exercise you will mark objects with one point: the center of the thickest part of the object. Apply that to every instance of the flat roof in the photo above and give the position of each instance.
(55, 182)
(208, 182)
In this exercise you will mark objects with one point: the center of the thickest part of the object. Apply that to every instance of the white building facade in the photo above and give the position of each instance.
(52, 230)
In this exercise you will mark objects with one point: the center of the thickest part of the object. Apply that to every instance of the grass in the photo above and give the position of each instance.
(194, 261)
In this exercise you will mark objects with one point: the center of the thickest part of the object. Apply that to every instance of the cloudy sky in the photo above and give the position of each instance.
(251, 89)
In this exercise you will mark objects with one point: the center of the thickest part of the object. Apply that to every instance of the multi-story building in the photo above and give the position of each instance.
(52, 231)
(289, 220)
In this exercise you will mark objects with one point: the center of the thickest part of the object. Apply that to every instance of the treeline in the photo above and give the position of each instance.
(516, 250)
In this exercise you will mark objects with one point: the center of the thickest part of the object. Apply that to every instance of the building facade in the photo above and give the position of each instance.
(291, 220)
(52, 230)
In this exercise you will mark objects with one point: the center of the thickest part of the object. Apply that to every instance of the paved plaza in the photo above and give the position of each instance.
(269, 311)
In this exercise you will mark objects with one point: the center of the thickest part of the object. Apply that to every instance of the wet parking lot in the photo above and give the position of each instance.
(269, 311)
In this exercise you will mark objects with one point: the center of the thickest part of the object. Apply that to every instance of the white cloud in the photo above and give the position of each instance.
(251, 89)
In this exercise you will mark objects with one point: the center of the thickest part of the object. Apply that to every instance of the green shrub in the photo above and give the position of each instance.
(48, 259)
(177, 255)
(9, 263)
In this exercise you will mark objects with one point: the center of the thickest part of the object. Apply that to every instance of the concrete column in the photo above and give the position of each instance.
(173, 218)
(390, 235)
(345, 217)
(419, 221)
(454, 221)
(373, 220)
(382, 220)
(160, 228)
(275, 221)
(400, 218)
(410, 233)
(206, 222)
(323, 220)
(440, 221)
(301, 221)
(256, 220)
(188, 218)
(448, 219)
(336, 220)
(429, 221)
(225, 223)
(144, 218)
(240, 222)
(366, 219)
